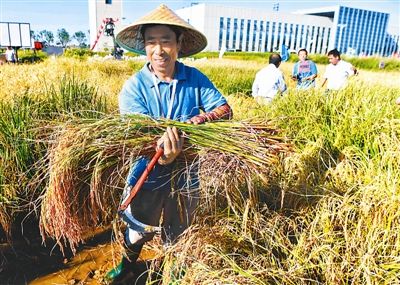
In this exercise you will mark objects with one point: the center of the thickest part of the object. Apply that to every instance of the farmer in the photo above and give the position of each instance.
(269, 81)
(304, 71)
(337, 71)
(164, 88)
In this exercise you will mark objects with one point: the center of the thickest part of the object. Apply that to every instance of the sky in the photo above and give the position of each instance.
(72, 15)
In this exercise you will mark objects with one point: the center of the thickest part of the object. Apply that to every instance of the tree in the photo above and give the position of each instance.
(46, 36)
(34, 35)
(42, 35)
(80, 37)
(63, 37)
(49, 37)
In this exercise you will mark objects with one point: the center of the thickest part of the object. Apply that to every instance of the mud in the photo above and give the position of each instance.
(29, 261)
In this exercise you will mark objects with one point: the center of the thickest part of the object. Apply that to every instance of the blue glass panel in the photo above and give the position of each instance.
(235, 29)
(221, 32)
(228, 31)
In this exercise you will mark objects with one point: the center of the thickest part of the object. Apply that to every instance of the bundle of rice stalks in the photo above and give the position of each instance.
(89, 158)
(252, 248)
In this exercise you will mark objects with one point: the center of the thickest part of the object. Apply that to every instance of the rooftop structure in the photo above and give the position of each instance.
(102, 13)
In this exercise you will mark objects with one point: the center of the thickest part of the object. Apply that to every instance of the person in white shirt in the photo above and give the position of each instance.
(10, 55)
(337, 72)
(269, 81)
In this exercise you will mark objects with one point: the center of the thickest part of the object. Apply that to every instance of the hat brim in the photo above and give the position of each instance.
(192, 41)
(131, 39)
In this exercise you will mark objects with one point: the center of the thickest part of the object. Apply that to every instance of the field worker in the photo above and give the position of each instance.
(269, 81)
(304, 71)
(398, 101)
(337, 71)
(10, 55)
(164, 88)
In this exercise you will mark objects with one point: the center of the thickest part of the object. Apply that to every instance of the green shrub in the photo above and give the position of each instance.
(372, 63)
(254, 56)
(79, 53)
(31, 56)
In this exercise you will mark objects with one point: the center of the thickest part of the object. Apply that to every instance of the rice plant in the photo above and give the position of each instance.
(326, 214)
(17, 155)
(83, 151)
(339, 192)
(72, 97)
(21, 143)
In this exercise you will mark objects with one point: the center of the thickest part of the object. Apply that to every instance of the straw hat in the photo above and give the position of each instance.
(131, 39)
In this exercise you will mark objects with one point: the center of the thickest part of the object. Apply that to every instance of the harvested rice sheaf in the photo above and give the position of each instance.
(89, 158)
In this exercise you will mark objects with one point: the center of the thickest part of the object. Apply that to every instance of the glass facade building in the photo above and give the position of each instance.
(350, 30)
(356, 31)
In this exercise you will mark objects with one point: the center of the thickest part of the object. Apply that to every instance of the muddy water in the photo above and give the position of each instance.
(28, 261)
(89, 266)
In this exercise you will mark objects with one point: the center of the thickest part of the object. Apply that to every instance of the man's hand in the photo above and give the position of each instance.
(197, 120)
(172, 143)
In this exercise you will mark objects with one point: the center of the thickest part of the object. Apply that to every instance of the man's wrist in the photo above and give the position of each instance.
(162, 161)
(166, 161)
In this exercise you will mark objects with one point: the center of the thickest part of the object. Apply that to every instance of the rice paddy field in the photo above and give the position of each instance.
(305, 190)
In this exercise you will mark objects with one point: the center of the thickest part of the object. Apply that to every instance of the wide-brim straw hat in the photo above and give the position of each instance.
(131, 39)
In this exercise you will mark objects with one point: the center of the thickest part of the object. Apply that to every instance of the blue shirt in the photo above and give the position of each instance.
(193, 92)
(303, 69)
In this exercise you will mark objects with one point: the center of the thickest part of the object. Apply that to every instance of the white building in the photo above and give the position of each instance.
(318, 30)
(247, 29)
(100, 13)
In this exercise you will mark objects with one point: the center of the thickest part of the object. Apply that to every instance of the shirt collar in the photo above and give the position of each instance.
(271, 65)
(179, 74)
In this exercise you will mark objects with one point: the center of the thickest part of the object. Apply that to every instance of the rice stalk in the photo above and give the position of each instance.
(83, 150)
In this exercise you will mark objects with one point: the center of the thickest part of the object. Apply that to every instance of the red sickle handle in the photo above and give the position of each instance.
(142, 179)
